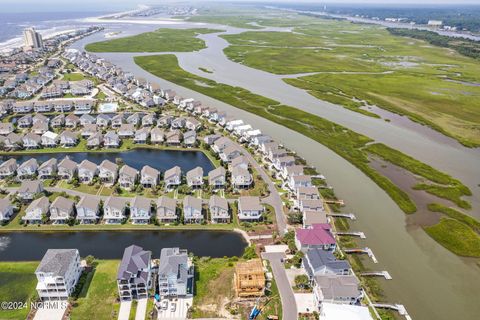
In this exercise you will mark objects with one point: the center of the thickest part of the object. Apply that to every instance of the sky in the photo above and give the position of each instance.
(115, 5)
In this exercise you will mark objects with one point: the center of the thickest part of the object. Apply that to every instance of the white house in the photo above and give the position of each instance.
(250, 209)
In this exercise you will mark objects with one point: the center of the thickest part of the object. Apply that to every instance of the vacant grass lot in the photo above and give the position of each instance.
(74, 76)
(97, 299)
(432, 85)
(17, 284)
(161, 40)
(456, 237)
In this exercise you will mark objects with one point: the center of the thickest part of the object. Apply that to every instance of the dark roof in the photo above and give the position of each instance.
(319, 258)
(134, 260)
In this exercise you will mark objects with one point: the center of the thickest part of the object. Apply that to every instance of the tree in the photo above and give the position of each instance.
(302, 281)
(295, 218)
(90, 260)
(250, 253)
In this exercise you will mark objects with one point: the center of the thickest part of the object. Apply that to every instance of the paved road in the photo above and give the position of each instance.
(274, 198)
(287, 297)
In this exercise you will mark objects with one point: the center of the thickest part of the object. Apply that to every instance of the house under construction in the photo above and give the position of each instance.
(250, 278)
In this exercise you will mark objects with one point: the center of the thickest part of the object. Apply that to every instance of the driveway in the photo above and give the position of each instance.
(124, 312)
(141, 309)
(53, 310)
(181, 308)
(287, 297)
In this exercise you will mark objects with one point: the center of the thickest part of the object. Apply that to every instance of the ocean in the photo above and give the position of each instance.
(12, 24)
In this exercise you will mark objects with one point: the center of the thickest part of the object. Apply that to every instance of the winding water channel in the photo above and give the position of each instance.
(429, 280)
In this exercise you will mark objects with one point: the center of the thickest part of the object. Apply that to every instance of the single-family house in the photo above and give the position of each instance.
(111, 140)
(140, 210)
(218, 207)
(189, 138)
(127, 177)
(8, 168)
(250, 209)
(29, 189)
(68, 138)
(114, 210)
(27, 169)
(166, 210)
(175, 273)
(108, 172)
(149, 177)
(72, 121)
(50, 139)
(134, 277)
(37, 210)
(217, 178)
(31, 141)
(126, 130)
(95, 140)
(241, 178)
(87, 170)
(88, 209)
(173, 137)
(317, 236)
(192, 210)
(48, 169)
(173, 177)
(67, 169)
(141, 135)
(61, 210)
(6, 210)
(157, 136)
(195, 177)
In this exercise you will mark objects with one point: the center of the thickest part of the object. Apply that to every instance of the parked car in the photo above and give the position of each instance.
(165, 304)
(173, 307)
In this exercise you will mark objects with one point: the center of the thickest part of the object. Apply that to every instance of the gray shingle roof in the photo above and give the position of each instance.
(173, 262)
(134, 259)
(57, 261)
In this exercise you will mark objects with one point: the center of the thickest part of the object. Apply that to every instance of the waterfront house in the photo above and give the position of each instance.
(37, 210)
(67, 169)
(29, 189)
(31, 141)
(6, 210)
(307, 193)
(173, 137)
(296, 182)
(134, 276)
(218, 207)
(274, 153)
(166, 210)
(72, 121)
(50, 139)
(192, 210)
(47, 169)
(88, 130)
(127, 177)
(27, 169)
(58, 121)
(108, 172)
(140, 210)
(87, 119)
(173, 177)
(241, 178)
(141, 135)
(6, 128)
(68, 139)
(313, 217)
(321, 262)
(58, 274)
(8, 168)
(175, 273)
(157, 136)
(195, 177)
(13, 141)
(216, 178)
(288, 172)
(168, 94)
(190, 138)
(311, 205)
(95, 140)
(87, 170)
(114, 210)
(340, 289)
(61, 210)
(317, 236)
(111, 140)
(103, 120)
(282, 162)
(126, 131)
(250, 209)
(88, 209)
(149, 177)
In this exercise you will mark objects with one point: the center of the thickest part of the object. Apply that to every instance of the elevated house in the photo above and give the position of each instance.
(140, 210)
(149, 177)
(134, 276)
(250, 209)
(61, 210)
(87, 170)
(58, 121)
(127, 177)
(189, 138)
(126, 131)
(114, 210)
(317, 236)
(58, 274)
(13, 141)
(141, 135)
(37, 210)
(219, 212)
(28, 169)
(166, 210)
(332, 288)
(192, 210)
(67, 169)
(320, 262)
(89, 130)
(108, 172)
(173, 177)
(72, 121)
(173, 138)
(195, 177)
(175, 273)
(241, 178)
(88, 209)
(217, 178)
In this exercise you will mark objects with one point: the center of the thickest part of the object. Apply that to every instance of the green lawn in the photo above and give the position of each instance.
(17, 284)
(98, 298)
(456, 237)
(457, 215)
(161, 40)
(74, 76)
(359, 64)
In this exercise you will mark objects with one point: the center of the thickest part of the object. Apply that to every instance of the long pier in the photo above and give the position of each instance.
(353, 234)
(342, 215)
(365, 250)
(384, 274)
(400, 308)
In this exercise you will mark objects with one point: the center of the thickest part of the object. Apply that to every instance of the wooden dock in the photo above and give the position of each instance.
(384, 274)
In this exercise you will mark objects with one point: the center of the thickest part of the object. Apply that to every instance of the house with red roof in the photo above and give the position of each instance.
(317, 236)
